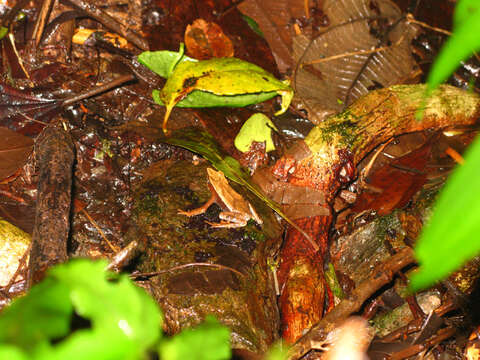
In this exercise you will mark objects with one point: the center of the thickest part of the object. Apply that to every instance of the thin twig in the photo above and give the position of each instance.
(41, 20)
(99, 89)
(412, 20)
(455, 155)
(102, 234)
(179, 267)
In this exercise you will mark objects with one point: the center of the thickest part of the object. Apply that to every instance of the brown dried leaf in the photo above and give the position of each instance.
(205, 40)
(274, 18)
(338, 66)
(14, 151)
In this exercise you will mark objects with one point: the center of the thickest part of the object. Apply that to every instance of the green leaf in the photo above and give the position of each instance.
(208, 341)
(3, 32)
(228, 78)
(125, 320)
(464, 10)
(462, 43)
(203, 143)
(258, 128)
(110, 305)
(9, 352)
(451, 236)
(278, 351)
(163, 62)
(201, 99)
(92, 344)
(252, 24)
(43, 314)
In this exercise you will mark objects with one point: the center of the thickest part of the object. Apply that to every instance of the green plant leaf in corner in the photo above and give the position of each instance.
(208, 341)
(203, 143)
(451, 236)
(229, 82)
(461, 44)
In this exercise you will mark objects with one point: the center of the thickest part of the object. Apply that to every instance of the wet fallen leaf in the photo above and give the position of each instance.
(14, 151)
(205, 40)
(23, 102)
(233, 82)
(275, 17)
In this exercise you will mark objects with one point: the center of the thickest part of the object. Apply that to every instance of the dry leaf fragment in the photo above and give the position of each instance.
(365, 47)
(206, 40)
(14, 151)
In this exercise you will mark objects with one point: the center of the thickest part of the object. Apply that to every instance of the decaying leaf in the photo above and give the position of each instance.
(24, 102)
(14, 151)
(366, 46)
(275, 19)
(205, 40)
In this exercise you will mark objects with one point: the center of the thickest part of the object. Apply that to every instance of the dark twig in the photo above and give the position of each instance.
(109, 22)
(184, 266)
(99, 89)
(42, 17)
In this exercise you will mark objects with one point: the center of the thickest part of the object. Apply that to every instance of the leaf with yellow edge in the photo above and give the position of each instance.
(228, 82)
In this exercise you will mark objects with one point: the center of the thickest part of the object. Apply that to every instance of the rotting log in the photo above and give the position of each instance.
(328, 161)
(55, 156)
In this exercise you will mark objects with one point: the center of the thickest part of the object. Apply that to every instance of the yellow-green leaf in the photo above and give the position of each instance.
(234, 83)
(257, 128)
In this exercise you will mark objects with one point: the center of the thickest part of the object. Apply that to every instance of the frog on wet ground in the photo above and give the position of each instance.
(236, 211)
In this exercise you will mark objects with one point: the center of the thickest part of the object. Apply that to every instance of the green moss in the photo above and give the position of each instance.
(340, 130)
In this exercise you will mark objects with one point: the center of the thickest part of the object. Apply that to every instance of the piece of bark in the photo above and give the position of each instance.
(382, 275)
(333, 150)
(55, 155)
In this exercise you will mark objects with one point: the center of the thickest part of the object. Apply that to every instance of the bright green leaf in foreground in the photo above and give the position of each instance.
(125, 321)
(208, 341)
(464, 11)
(462, 43)
(36, 318)
(257, 128)
(112, 306)
(452, 235)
